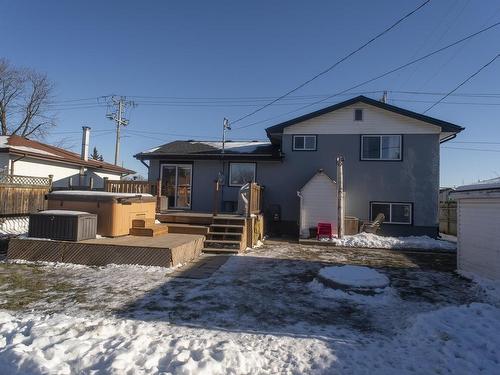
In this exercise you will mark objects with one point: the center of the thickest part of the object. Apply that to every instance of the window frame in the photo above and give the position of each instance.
(409, 204)
(380, 136)
(230, 173)
(362, 115)
(305, 136)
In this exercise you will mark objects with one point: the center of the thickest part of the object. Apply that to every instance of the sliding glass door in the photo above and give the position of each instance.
(176, 182)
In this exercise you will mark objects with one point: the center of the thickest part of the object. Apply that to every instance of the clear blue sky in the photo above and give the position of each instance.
(235, 49)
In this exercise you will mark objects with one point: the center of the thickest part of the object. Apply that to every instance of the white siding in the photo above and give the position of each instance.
(375, 121)
(318, 203)
(479, 237)
(61, 172)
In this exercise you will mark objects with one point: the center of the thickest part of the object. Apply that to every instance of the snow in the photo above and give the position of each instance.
(355, 276)
(273, 320)
(4, 143)
(490, 287)
(63, 212)
(4, 139)
(98, 194)
(14, 226)
(240, 147)
(370, 240)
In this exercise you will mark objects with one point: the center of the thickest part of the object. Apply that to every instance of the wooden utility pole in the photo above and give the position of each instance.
(120, 103)
(340, 196)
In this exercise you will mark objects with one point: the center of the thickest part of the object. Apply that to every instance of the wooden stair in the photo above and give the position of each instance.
(151, 231)
(187, 229)
(226, 235)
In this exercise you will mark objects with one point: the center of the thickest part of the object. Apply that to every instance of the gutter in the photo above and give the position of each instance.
(145, 164)
(13, 161)
(449, 138)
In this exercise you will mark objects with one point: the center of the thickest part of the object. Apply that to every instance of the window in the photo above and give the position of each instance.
(381, 147)
(395, 213)
(304, 143)
(241, 173)
(358, 115)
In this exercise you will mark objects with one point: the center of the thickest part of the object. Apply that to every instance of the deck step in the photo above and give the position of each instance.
(155, 230)
(215, 250)
(187, 229)
(143, 223)
(224, 233)
(223, 244)
(227, 226)
(227, 242)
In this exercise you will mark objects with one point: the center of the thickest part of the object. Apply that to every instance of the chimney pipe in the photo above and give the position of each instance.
(85, 143)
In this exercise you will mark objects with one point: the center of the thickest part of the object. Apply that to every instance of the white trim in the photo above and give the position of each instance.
(240, 185)
(390, 212)
(380, 136)
(305, 136)
(183, 165)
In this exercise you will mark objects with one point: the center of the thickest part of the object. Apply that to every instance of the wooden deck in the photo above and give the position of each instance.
(164, 251)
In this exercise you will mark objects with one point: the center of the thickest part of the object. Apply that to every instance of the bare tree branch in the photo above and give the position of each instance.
(25, 98)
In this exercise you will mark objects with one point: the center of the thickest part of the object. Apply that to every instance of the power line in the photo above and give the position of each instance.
(381, 75)
(463, 82)
(336, 63)
(471, 149)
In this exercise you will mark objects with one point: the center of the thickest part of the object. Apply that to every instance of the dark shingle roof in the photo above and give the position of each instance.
(211, 150)
(446, 127)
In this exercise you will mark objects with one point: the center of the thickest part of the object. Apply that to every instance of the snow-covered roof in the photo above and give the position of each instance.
(202, 149)
(491, 184)
(98, 194)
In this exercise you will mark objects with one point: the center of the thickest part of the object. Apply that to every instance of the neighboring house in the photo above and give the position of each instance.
(479, 228)
(25, 157)
(444, 194)
(391, 165)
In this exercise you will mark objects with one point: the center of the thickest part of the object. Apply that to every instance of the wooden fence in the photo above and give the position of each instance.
(21, 195)
(254, 199)
(134, 187)
(448, 218)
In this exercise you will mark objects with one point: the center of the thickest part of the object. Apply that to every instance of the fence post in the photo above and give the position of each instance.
(216, 198)
(91, 183)
(51, 179)
(158, 195)
(250, 199)
(105, 181)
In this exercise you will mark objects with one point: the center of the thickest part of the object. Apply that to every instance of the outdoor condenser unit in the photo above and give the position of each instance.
(63, 225)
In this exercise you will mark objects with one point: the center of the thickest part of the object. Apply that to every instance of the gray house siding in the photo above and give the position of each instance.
(414, 179)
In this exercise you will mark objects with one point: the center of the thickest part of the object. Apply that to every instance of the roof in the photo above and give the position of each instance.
(446, 127)
(320, 173)
(15, 144)
(212, 150)
(492, 184)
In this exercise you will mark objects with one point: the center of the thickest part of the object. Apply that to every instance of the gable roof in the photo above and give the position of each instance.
(211, 150)
(15, 144)
(446, 127)
(319, 173)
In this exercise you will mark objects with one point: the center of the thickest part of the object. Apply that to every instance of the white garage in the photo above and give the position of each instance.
(318, 203)
(478, 217)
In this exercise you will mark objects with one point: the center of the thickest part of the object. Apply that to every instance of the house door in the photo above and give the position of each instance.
(176, 184)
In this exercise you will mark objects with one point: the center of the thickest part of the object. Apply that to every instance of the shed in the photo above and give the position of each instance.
(479, 228)
(318, 203)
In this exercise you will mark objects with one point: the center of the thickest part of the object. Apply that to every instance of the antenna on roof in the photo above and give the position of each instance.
(225, 128)
(384, 97)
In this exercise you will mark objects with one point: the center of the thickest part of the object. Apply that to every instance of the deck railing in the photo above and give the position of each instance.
(254, 199)
(134, 187)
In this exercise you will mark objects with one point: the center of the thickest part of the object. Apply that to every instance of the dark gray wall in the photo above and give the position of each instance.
(415, 179)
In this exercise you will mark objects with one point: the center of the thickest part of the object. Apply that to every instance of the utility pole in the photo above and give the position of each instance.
(120, 103)
(340, 196)
(384, 97)
(225, 128)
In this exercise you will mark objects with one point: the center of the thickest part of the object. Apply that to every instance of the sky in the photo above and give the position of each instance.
(189, 64)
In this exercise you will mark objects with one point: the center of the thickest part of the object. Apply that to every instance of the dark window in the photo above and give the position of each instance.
(358, 115)
(304, 142)
(241, 173)
(380, 147)
(395, 213)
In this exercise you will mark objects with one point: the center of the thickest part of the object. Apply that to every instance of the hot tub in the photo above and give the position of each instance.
(115, 211)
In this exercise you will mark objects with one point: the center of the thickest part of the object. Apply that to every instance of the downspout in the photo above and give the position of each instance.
(145, 164)
(301, 215)
(13, 161)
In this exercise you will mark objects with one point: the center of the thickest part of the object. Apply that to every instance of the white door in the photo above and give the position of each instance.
(176, 180)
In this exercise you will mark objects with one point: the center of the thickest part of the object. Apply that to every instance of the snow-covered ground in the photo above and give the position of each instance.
(370, 240)
(14, 226)
(259, 313)
(356, 276)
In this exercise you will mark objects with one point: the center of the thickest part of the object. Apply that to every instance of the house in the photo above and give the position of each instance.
(25, 157)
(391, 166)
(479, 228)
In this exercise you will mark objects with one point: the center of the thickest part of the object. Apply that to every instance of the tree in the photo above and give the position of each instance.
(95, 155)
(25, 99)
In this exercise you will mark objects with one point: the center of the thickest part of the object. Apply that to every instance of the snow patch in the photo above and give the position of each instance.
(15, 226)
(381, 296)
(63, 212)
(98, 194)
(370, 240)
(355, 276)
(240, 147)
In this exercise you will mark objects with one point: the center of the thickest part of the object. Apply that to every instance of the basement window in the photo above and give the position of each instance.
(395, 213)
